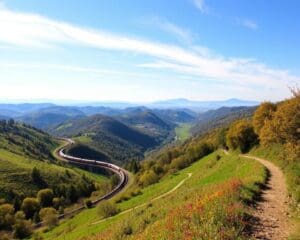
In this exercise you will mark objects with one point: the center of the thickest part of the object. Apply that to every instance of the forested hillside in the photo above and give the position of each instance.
(115, 140)
(220, 118)
(31, 178)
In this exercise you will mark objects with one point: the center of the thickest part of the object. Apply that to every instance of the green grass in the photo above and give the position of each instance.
(64, 126)
(206, 174)
(83, 139)
(183, 131)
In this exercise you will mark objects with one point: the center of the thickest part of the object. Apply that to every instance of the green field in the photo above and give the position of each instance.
(183, 131)
(207, 173)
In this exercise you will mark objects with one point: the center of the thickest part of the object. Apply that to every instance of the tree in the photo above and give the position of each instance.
(36, 178)
(107, 209)
(134, 166)
(49, 216)
(148, 178)
(221, 138)
(241, 136)
(6, 216)
(262, 114)
(30, 206)
(56, 202)
(284, 127)
(45, 197)
(22, 227)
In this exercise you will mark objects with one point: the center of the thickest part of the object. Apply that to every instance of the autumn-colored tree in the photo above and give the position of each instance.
(284, 127)
(263, 113)
(241, 136)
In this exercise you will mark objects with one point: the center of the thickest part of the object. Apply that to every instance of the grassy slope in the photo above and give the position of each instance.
(183, 131)
(16, 165)
(207, 173)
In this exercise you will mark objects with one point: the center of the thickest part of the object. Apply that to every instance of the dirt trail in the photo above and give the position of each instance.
(270, 216)
(150, 201)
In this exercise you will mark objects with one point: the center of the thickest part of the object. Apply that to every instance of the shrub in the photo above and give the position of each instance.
(6, 216)
(218, 157)
(107, 209)
(241, 136)
(88, 203)
(56, 202)
(148, 178)
(45, 197)
(30, 206)
(49, 216)
(22, 227)
(263, 113)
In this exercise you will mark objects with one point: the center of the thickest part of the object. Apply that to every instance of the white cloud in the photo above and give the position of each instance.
(179, 32)
(248, 23)
(31, 30)
(200, 4)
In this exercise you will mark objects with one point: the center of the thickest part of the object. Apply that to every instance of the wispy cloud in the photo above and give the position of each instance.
(179, 32)
(248, 23)
(30, 30)
(200, 4)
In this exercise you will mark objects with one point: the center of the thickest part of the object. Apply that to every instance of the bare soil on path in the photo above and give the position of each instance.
(270, 219)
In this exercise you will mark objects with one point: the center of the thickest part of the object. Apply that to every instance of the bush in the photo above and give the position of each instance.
(22, 227)
(45, 197)
(88, 203)
(49, 216)
(263, 113)
(30, 206)
(6, 216)
(56, 202)
(241, 136)
(148, 178)
(107, 209)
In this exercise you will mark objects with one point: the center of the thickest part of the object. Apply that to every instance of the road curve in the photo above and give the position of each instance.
(120, 172)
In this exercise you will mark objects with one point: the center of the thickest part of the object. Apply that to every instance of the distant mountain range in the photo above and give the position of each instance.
(16, 109)
(202, 105)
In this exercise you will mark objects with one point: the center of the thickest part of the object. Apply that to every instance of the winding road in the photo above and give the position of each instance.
(120, 172)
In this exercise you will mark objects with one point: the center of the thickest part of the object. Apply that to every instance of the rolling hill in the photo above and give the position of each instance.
(23, 149)
(147, 122)
(117, 141)
(220, 117)
(49, 117)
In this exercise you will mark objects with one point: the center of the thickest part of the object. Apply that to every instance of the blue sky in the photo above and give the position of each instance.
(143, 51)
